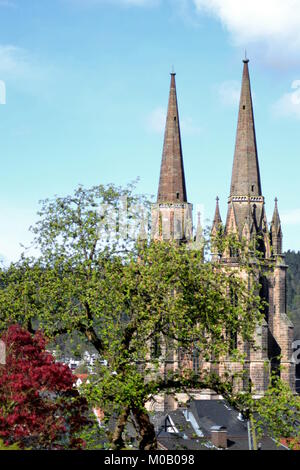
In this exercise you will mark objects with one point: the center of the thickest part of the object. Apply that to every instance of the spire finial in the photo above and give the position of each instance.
(217, 199)
(276, 200)
(173, 70)
(246, 60)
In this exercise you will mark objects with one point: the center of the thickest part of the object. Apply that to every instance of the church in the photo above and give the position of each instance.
(246, 218)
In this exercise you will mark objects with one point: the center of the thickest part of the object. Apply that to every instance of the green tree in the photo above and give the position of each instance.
(98, 282)
(277, 413)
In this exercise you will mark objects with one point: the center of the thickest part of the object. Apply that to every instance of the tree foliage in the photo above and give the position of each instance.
(136, 302)
(39, 407)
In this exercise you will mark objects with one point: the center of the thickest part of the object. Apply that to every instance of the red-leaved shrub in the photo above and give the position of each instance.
(39, 406)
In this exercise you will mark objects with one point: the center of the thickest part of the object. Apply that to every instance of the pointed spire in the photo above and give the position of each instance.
(217, 218)
(172, 181)
(276, 223)
(245, 173)
(217, 222)
(276, 232)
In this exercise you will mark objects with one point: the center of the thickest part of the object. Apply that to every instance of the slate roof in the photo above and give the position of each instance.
(207, 413)
(210, 413)
(175, 442)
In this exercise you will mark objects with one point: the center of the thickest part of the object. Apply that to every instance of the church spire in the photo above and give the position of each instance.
(246, 206)
(172, 181)
(245, 173)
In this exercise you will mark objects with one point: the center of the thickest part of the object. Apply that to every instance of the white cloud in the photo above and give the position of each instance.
(189, 127)
(16, 63)
(289, 104)
(11, 59)
(274, 24)
(291, 217)
(22, 70)
(156, 122)
(229, 93)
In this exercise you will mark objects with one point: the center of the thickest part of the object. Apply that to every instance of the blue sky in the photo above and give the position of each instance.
(87, 85)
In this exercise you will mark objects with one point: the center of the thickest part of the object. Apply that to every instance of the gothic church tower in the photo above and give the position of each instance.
(172, 214)
(246, 217)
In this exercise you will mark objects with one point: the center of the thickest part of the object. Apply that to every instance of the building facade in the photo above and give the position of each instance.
(246, 218)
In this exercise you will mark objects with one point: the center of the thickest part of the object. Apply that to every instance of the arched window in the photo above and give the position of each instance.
(155, 348)
(196, 362)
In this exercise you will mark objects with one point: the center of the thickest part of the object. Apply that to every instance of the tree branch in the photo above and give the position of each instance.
(117, 437)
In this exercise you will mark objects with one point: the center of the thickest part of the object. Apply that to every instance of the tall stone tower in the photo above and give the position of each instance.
(171, 218)
(172, 214)
(246, 217)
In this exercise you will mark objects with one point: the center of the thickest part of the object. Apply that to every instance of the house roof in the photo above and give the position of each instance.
(210, 413)
(191, 428)
(175, 442)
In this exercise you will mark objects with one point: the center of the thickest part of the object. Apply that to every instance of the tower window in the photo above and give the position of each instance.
(233, 252)
(244, 107)
(175, 118)
(177, 195)
(252, 187)
(156, 349)
(196, 362)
